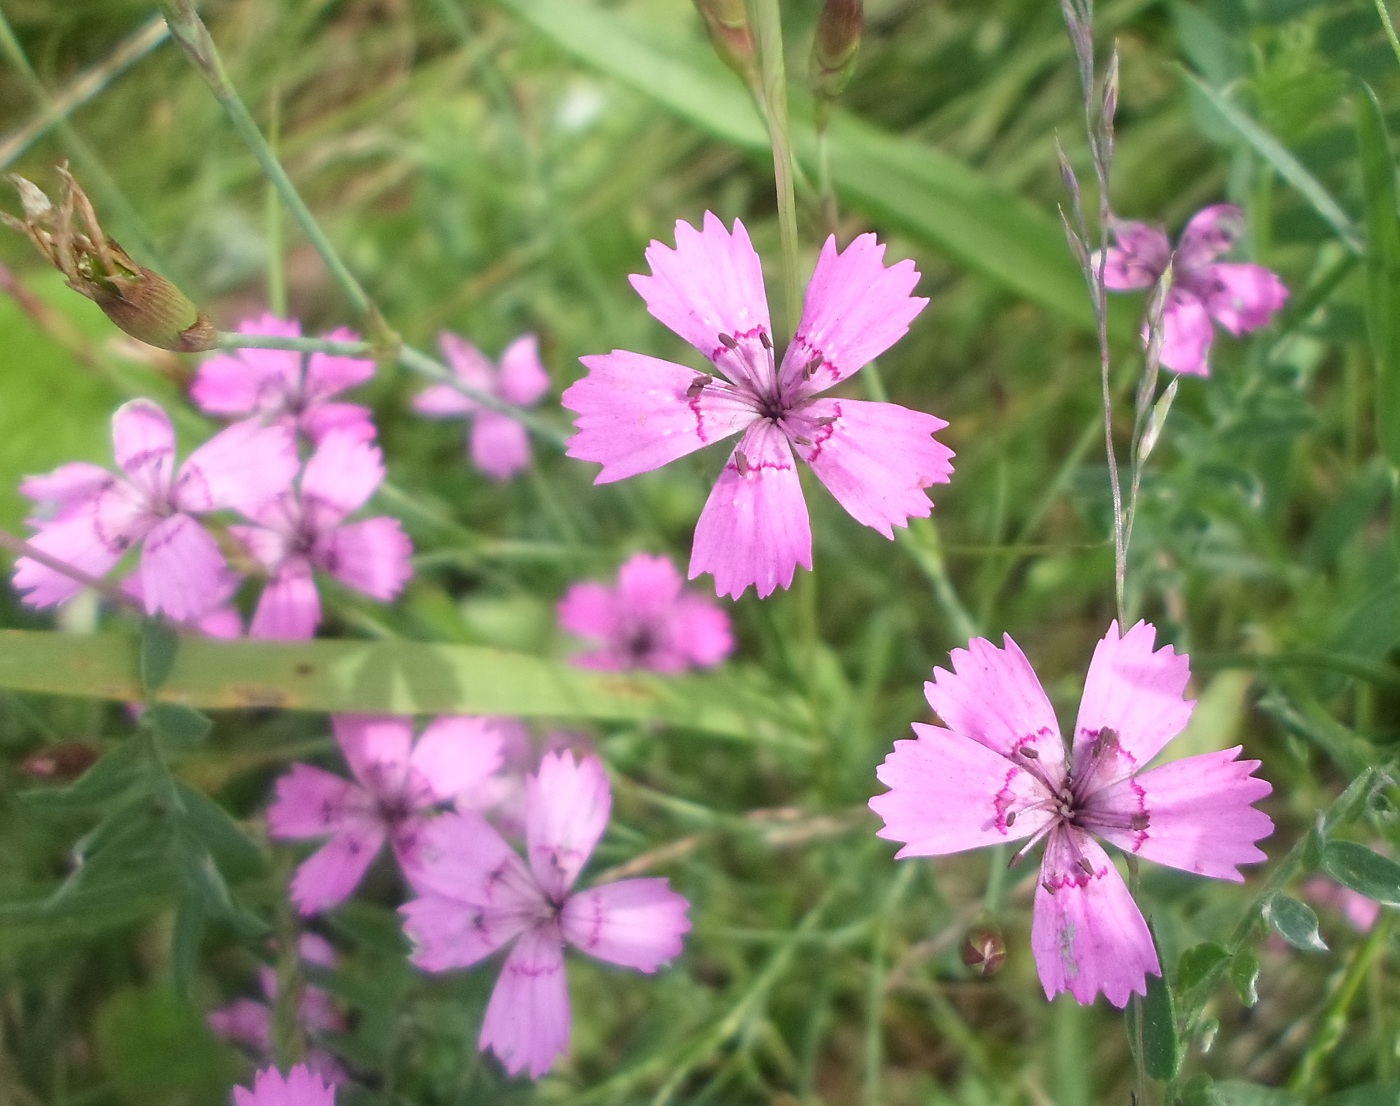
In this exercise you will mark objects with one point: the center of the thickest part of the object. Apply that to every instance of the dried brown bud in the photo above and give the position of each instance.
(835, 47)
(984, 949)
(727, 24)
(143, 303)
(61, 761)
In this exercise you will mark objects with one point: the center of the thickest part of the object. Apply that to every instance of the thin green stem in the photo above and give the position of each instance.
(1389, 28)
(272, 215)
(768, 30)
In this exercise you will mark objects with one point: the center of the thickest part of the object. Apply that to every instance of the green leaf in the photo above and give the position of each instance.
(1382, 265)
(178, 727)
(1372, 1094)
(1364, 871)
(159, 647)
(1295, 922)
(1198, 962)
(158, 1051)
(185, 943)
(111, 776)
(1244, 974)
(1234, 1093)
(1161, 1051)
(211, 825)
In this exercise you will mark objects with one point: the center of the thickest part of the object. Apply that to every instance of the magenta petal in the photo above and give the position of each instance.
(1208, 234)
(75, 540)
(73, 486)
(455, 754)
(469, 363)
(994, 697)
(462, 857)
(589, 610)
(340, 477)
(290, 607)
(700, 632)
(377, 747)
(442, 401)
(328, 374)
(854, 310)
(636, 413)
(352, 419)
(230, 384)
(710, 284)
(243, 1022)
(948, 793)
(498, 445)
(1199, 814)
(1087, 933)
(326, 878)
(301, 1087)
(311, 802)
(143, 442)
(447, 933)
(1238, 296)
(875, 458)
(1136, 693)
(1186, 334)
(637, 923)
(373, 555)
(241, 467)
(567, 804)
(183, 573)
(754, 528)
(1139, 259)
(527, 1018)
(523, 379)
(648, 586)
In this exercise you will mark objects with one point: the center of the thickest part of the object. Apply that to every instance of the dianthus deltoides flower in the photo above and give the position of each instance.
(1237, 295)
(648, 621)
(299, 1088)
(997, 770)
(636, 413)
(478, 896)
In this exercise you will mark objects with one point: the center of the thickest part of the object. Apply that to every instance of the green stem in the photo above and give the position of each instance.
(272, 213)
(768, 29)
(1389, 28)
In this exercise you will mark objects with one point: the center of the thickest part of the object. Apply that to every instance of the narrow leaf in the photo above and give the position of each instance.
(1161, 1050)
(159, 645)
(1365, 872)
(178, 727)
(1382, 265)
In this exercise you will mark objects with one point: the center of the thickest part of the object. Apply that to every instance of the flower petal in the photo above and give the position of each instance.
(527, 1019)
(373, 555)
(700, 632)
(590, 610)
(290, 607)
(462, 857)
(377, 748)
(301, 1087)
(523, 379)
(329, 374)
(637, 923)
(183, 573)
(948, 793)
(447, 933)
(994, 697)
(1198, 812)
(339, 478)
(74, 486)
(1135, 693)
(648, 586)
(442, 401)
(854, 310)
(1138, 260)
(75, 540)
(456, 753)
(243, 1022)
(875, 458)
(1087, 933)
(311, 802)
(324, 419)
(469, 363)
(1208, 234)
(1186, 334)
(636, 413)
(241, 467)
(567, 804)
(326, 878)
(1238, 296)
(143, 441)
(754, 528)
(498, 445)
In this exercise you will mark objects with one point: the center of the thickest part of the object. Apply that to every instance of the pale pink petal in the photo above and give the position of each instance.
(1238, 296)
(462, 858)
(754, 527)
(472, 367)
(1186, 334)
(648, 586)
(1210, 232)
(700, 632)
(183, 573)
(231, 383)
(1197, 812)
(447, 933)
(527, 1018)
(243, 1022)
(326, 878)
(352, 419)
(948, 793)
(636, 413)
(442, 401)
(994, 697)
(710, 284)
(311, 802)
(1139, 259)
(143, 442)
(372, 555)
(456, 753)
(222, 622)
(590, 610)
(498, 445)
(854, 310)
(315, 950)
(875, 458)
(267, 545)
(328, 374)
(637, 923)
(339, 478)
(567, 804)
(377, 748)
(1135, 693)
(523, 379)
(241, 467)
(300, 1088)
(73, 486)
(290, 606)
(75, 540)
(1087, 933)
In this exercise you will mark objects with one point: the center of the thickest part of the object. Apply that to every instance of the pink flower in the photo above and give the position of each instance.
(1239, 296)
(95, 516)
(401, 785)
(647, 621)
(306, 529)
(635, 413)
(496, 443)
(478, 896)
(999, 771)
(247, 1022)
(283, 386)
(299, 1088)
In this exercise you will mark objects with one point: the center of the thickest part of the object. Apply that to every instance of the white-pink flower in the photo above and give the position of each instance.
(997, 770)
(284, 386)
(1237, 295)
(478, 896)
(496, 443)
(648, 621)
(636, 413)
(299, 1088)
(305, 529)
(399, 787)
(89, 517)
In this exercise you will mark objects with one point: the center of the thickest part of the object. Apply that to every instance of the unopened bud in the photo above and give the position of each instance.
(727, 24)
(143, 303)
(61, 762)
(835, 47)
(984, 949)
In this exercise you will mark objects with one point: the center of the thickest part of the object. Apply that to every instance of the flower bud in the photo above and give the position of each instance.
(143, 303)
(61, 762)
(835, 47)
(984, 949)
(727, 24)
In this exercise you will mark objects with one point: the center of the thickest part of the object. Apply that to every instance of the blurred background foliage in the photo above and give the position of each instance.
(499, 167)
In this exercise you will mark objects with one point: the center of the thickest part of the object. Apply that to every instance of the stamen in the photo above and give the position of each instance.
(698, 385)
(741, 462)
(1010, 818)
(811, 367)
(1085, 866)
(763, 337)
(1049, 887)
(826, 420)
(1028, 752)
(728, 342)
